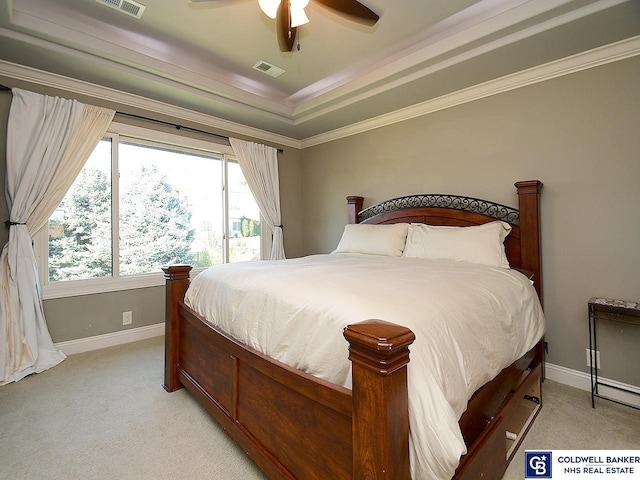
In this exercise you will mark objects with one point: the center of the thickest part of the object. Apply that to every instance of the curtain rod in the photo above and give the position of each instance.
(162, 122)
(178, 127)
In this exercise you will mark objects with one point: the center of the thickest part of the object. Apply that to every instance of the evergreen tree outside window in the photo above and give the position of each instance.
(164, 205)
(177, 217)
(80, 228)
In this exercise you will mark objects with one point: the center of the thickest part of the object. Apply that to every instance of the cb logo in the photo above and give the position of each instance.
(537, 464)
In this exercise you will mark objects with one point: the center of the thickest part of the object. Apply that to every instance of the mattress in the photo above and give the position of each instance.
(470, 322)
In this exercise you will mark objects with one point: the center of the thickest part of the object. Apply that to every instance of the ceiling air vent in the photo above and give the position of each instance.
(266, 67)
(129, 7)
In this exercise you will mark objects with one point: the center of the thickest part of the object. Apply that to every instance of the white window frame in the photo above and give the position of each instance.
(123, 132)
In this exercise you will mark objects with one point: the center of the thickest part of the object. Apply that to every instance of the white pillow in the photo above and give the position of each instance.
(373, 239)
(481, 244)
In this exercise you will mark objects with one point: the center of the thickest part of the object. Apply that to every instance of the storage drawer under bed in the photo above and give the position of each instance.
(491, 453)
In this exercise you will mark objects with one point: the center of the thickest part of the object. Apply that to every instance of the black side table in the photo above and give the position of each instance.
(606, 309)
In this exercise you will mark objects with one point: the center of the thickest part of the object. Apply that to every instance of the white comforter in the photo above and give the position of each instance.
(470, 321)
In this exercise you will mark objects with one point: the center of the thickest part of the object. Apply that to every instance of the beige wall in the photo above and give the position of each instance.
(578, 134)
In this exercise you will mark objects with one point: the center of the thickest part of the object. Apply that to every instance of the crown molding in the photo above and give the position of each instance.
(146, 57)
(434, 46)
(476, 22)
(583, 61)
(52, 80)
(590, 59)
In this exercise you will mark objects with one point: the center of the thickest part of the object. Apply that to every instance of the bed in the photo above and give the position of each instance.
(298, 425)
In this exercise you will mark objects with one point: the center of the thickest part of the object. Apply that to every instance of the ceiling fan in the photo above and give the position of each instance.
(290, 14)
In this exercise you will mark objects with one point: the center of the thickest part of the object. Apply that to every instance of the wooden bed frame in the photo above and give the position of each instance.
(296, 426)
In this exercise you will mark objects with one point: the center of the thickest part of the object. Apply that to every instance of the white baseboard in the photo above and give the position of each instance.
(110, 339)
(582, 380)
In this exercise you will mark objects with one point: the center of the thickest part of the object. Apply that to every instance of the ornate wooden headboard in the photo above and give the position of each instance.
(522, 245)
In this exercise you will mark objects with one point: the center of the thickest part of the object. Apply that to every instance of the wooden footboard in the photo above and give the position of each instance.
(296, 426)
(292, 424)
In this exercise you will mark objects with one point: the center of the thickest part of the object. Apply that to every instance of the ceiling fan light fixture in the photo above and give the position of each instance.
(269, 7)
(298, 16)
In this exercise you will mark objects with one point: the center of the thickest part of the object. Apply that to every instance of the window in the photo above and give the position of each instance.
(138, 205)
(80, 228)
(244, 217)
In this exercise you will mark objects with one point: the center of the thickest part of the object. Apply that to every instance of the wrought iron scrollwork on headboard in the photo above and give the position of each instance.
(453, 202)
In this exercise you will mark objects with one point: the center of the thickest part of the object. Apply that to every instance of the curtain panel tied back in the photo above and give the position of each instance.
(259, 164)
(48, 141)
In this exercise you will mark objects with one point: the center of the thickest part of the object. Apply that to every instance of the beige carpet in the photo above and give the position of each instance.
(104, 415)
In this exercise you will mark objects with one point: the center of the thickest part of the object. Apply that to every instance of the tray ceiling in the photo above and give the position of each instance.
(199, 55)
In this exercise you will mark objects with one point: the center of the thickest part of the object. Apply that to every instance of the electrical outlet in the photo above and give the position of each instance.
(126, 318)
(597, 358)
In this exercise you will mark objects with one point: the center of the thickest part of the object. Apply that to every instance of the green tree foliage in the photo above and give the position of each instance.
(155, 224)
(250, 227)
(154, 227)
(80, 243)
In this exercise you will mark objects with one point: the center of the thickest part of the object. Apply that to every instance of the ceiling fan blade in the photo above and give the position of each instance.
(354, 9)
(286, 33)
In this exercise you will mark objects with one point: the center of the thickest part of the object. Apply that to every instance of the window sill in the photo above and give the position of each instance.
(75, 288)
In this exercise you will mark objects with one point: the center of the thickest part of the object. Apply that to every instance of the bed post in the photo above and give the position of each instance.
(354, 206)
(529, 206)
(177, 281)
(379, 352)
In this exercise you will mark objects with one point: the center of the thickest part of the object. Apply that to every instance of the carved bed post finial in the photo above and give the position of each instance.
(379, 352)
(177, 282)
(529, 206)
(354, 204)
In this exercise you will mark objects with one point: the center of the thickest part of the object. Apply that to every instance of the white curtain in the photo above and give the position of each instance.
(259, 164)
(48, 141)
